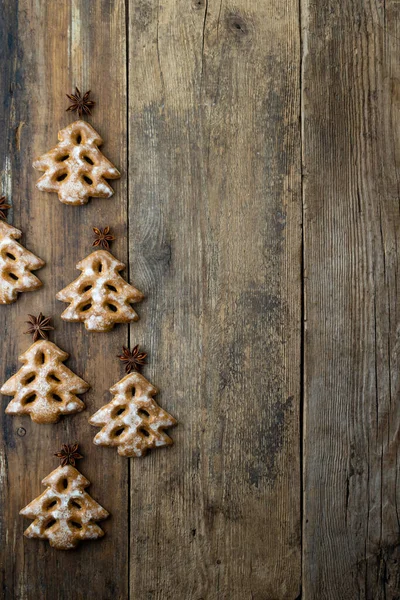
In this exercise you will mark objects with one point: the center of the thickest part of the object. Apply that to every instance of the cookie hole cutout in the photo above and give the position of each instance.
(111, 287)
(74, 504)
(51, 504)
(62, 177)
(87, 179)
(63, 158)
(29, 378)
(41, 358)
(75, 524)
(119, 410)
(88, 160)
(13, 276)
(98, 267)
(10, 256)
(29, 399)
(133, 391)
(112, 307)
(143, 413)
(86, 307)
(50, 523)
(86, 288)
(56, 398)
(144, 431)
(62, 485)
(53, 377)
(78, 139)
(118, 432)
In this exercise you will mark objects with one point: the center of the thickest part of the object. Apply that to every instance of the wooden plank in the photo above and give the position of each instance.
(214, 218)
(51, 48)
(351, 83)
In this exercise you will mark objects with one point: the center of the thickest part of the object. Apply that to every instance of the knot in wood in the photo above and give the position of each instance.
(237, 25)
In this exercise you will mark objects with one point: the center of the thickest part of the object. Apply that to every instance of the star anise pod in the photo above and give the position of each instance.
(68, 454)
(80, 104)
(38, 326)
(3, 207)
(133, 360)
(103, 237)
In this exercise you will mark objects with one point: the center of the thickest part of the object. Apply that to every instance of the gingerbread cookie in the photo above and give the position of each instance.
(76, 169)
(132, 421)
(44, 388)
(65, 513)
(16, 264)
(100, 297)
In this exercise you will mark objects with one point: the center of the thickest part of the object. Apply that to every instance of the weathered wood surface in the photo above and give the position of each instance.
(210, 203)
(215, 231)
(351, 124)
(47, 48)
(213, 111)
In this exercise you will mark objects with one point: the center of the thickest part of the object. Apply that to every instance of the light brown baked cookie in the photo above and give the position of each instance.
(132, 421)
(16, 264)
(76, 169)
(100, 297)
(44, 387)
(65, 514)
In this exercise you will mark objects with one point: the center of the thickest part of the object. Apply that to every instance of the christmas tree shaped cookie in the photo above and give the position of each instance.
(44, 387)
(65, 514)
(100, 297)
(76, 169)
(132, 421)
(16, 262)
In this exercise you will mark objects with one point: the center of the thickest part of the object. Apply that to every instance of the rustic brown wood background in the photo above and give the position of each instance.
(258, 209)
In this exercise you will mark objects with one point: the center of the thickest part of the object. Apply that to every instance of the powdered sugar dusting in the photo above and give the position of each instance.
(64, 514)
(16, 264)
(76, 169)
(100, 297)
(132, 421)
(44, 387)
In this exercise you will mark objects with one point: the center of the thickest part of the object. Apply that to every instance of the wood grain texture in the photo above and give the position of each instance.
(199, 106)
(351, 122)
(214, 221)
(51, 48)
